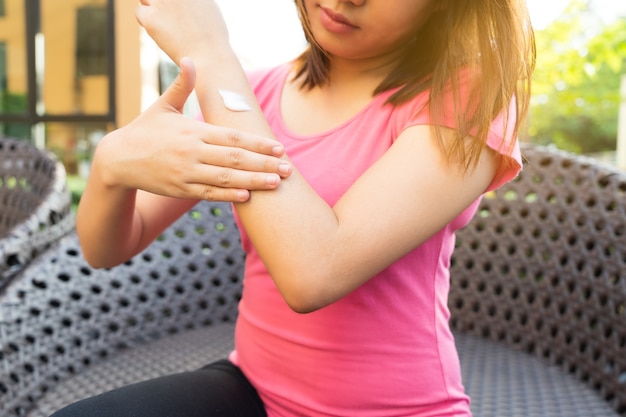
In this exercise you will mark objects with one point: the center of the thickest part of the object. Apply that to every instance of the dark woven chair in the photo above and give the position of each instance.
(35, 204)
(538, 302)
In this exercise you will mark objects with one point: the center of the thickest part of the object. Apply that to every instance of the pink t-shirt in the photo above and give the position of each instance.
(384, 350)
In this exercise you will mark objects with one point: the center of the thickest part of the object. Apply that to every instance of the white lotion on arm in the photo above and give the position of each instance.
(234, 101)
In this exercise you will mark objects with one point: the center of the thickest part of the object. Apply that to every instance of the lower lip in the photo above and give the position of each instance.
(334, 26)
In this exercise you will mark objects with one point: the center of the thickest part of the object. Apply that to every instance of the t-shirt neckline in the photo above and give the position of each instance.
(382, 97)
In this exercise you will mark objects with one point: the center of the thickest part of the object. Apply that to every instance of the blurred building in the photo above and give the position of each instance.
(63, 67)
(72, 70)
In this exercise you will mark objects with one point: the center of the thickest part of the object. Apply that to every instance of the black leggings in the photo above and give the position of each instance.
(218, 389)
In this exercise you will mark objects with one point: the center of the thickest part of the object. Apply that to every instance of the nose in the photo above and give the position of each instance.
(355, 2)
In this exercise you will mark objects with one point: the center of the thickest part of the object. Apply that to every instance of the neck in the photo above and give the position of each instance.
(367, 70)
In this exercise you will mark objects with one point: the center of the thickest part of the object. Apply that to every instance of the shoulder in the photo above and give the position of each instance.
(417, 110)
(501, 138)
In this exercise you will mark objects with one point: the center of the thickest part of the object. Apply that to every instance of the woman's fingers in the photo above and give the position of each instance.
(225, 177)
(237, 159)
(213, 193)
(240, 151)
(234, 138)
(225, 184)
(178, 92)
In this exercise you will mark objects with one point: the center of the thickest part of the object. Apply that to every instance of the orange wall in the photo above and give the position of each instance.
(127, 33)
(62, 94)
(12, 29)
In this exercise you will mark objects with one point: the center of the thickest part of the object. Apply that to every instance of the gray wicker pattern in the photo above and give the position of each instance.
(35, 204)
(178, 352)
(542, 268)
(61, 316)
(508, 382)
(537, 298)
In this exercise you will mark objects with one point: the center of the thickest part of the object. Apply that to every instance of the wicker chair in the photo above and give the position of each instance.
(35, 204)
(538, 302)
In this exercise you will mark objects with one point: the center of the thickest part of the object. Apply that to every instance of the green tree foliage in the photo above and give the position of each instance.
(576, 86)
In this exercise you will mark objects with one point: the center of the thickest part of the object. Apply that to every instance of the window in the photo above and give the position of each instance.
(59, 90)
(91, 41)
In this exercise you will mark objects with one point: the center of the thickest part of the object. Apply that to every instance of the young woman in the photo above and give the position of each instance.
(395, 120)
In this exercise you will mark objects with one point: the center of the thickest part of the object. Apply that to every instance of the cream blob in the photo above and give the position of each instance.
(234, 101)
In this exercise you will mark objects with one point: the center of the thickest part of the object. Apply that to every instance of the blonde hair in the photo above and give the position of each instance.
(492, 40)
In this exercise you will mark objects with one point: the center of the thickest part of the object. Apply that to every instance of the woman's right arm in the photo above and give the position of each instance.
(148, 173)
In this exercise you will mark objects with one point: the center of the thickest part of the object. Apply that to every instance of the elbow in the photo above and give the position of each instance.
(96, 262)
(309, 294)
(92, 259)
(98, 254)
(302, 306)
(95, 259)
(98, 265)
(310, 283)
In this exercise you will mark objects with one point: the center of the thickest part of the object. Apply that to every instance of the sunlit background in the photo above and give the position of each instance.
(268, 32)
(543, 12)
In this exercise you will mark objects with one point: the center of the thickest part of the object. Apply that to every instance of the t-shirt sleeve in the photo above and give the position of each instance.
(502, 140)
(501, 137)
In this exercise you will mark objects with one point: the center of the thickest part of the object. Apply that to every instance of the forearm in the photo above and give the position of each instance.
(106, 222)
(116, 218)
(292, 219)
(223, 71)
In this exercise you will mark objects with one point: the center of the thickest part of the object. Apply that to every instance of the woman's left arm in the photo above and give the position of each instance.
(315, 253)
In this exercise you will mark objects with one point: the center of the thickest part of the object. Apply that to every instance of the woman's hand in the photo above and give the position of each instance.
(166, 153)
(183, 28)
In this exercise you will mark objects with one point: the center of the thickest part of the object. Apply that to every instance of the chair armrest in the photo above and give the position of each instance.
(35, 205)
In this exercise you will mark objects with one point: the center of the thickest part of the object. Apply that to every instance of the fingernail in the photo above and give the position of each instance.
(243, 195)
(284, 168)
(272, 179)
(278, 150)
